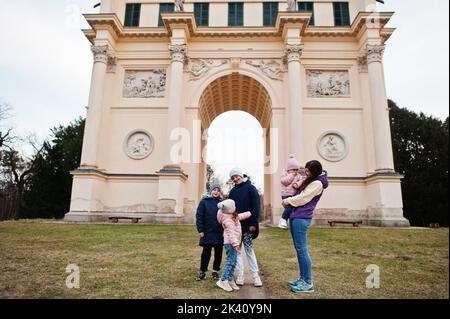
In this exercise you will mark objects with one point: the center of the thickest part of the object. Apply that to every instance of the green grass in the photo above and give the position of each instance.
(156, 261)
(413, 263)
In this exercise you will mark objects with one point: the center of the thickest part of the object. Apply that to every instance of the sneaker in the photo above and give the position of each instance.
(240, 280)
(303, 287)
(201, 275)
(225, 285)
(282, 223)
(233, 285)
(257, 281)
(215, 275)
(295, 282)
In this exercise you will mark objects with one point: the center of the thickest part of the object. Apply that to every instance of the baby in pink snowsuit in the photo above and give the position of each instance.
(291, 179)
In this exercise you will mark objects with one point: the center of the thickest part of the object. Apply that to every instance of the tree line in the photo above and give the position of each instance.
(420, 146)
(39, 186)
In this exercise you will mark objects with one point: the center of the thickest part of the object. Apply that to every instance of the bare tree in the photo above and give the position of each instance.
(7, 189)
(210, 176)
(17, 170)
(6, 137)
(5, 111)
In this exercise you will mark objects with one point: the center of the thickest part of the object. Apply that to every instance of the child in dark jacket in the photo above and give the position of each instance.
(210, 232)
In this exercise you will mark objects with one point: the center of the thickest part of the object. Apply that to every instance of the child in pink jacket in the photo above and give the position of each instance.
(291, 180)
(232, 236)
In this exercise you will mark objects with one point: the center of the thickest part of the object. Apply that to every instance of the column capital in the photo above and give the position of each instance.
(112, 63)
(100, 53)
(374, 53)
(293, 52)
(178, 52)
(362, 64)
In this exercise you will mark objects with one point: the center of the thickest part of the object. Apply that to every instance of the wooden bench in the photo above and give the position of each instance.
(115, 219)
(355, 223)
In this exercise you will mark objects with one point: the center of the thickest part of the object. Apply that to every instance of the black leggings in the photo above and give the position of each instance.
(206, 256)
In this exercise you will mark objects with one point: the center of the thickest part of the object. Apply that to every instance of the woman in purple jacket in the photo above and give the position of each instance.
(304, 204)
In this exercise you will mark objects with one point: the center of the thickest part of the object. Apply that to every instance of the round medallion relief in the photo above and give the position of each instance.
(332, 146)
(139, 144)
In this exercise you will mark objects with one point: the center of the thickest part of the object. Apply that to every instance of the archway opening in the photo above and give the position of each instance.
(235, 92)
(236, 111)
(236, 139)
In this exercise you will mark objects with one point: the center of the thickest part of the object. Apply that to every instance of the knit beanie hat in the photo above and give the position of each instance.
(236, 171)
(227, 206)
(292, 163)
(215, 185)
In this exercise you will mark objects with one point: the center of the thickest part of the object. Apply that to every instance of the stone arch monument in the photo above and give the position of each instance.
(317, 90)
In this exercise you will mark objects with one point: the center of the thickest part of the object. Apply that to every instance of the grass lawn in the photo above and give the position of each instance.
(156, 261)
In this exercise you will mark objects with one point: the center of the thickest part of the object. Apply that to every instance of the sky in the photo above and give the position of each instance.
(46, 63)
(235, 139)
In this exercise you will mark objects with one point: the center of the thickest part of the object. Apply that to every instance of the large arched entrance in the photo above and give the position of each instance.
(231, 93)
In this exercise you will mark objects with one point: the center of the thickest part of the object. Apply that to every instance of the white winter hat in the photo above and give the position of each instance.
(227, 206)
(236, 171)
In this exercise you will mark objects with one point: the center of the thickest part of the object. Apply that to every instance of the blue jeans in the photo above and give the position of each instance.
(230, 263)
(299, 232)
(287, 210)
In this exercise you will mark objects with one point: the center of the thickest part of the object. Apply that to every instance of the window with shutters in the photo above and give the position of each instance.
(235, 14)
(307, 7)
(132, 14)
(165, 7)
(201, 12)
(270, 11)
(341, 14)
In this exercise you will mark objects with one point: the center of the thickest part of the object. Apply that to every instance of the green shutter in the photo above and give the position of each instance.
(136, 14)
(132, 14)
(205, 14)
(341, 14)
(345, 13)
(240, 14)
(270, 11)
(235, 13)
(307, 7)
(201, 11)
(231, 13)
(165, 7)
(197, 13)
(128, 15)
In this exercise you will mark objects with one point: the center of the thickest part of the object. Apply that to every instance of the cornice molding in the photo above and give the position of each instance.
(176, 19)
(89, 172)
(362, 22)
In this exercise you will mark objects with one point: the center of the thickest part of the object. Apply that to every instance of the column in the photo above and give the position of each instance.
(293, 53)
(171, 187)
(367, 112)
(94, 112)
(175, 111)
(380, 114)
